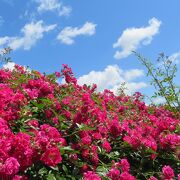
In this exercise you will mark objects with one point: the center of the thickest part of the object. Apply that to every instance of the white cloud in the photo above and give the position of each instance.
(65, 11)
(31, 16)
(1, 20)
(133, 74)
(53, 6)
(9, 65)
(132, 38)
(175, 57)
(5, 40)
(109, 77)
(159, 100)
(130, 87)
(48, 5)
(112, 77)
(68, 34)
(32, 32)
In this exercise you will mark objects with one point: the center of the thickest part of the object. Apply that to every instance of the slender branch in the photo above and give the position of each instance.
(171, 80)
(143, 60)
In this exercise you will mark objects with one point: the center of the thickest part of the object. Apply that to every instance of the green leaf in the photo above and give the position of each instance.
(150, 151)
(84, 127)
(40, 106)
(42, 171)
(67, 148)
(51, 177)
(55, 168)
(65, 169)
(102, 171)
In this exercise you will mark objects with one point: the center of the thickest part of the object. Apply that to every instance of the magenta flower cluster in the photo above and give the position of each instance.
(51, 130)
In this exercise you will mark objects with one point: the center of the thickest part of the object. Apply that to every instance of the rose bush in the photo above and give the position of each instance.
(66, 131)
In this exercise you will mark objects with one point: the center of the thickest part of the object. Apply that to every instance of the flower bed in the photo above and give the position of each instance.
(52, 131)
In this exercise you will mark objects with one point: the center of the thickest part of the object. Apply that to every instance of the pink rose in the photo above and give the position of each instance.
(106, 145)
(51, 157)
(90, 175)
(125, 165)
(168, 172)
(11, 166)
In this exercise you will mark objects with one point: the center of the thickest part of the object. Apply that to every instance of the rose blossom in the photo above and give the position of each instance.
(90, 175)
(168, 172)
(52, 157)
(125, 165)
(11, 166)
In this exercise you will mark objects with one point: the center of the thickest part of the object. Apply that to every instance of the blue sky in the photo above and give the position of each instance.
(95, 38)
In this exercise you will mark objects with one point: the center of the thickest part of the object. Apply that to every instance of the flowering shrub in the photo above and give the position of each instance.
(67, 131)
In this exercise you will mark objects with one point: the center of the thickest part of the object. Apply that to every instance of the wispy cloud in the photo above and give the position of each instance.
(65, 11)
(5, 40)
(1, 20)
(159, 100)
(175, 57)
(30, 15)
(132, 38)
(68, 34)
(112, 77)
(31, 33)
(53, 6)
